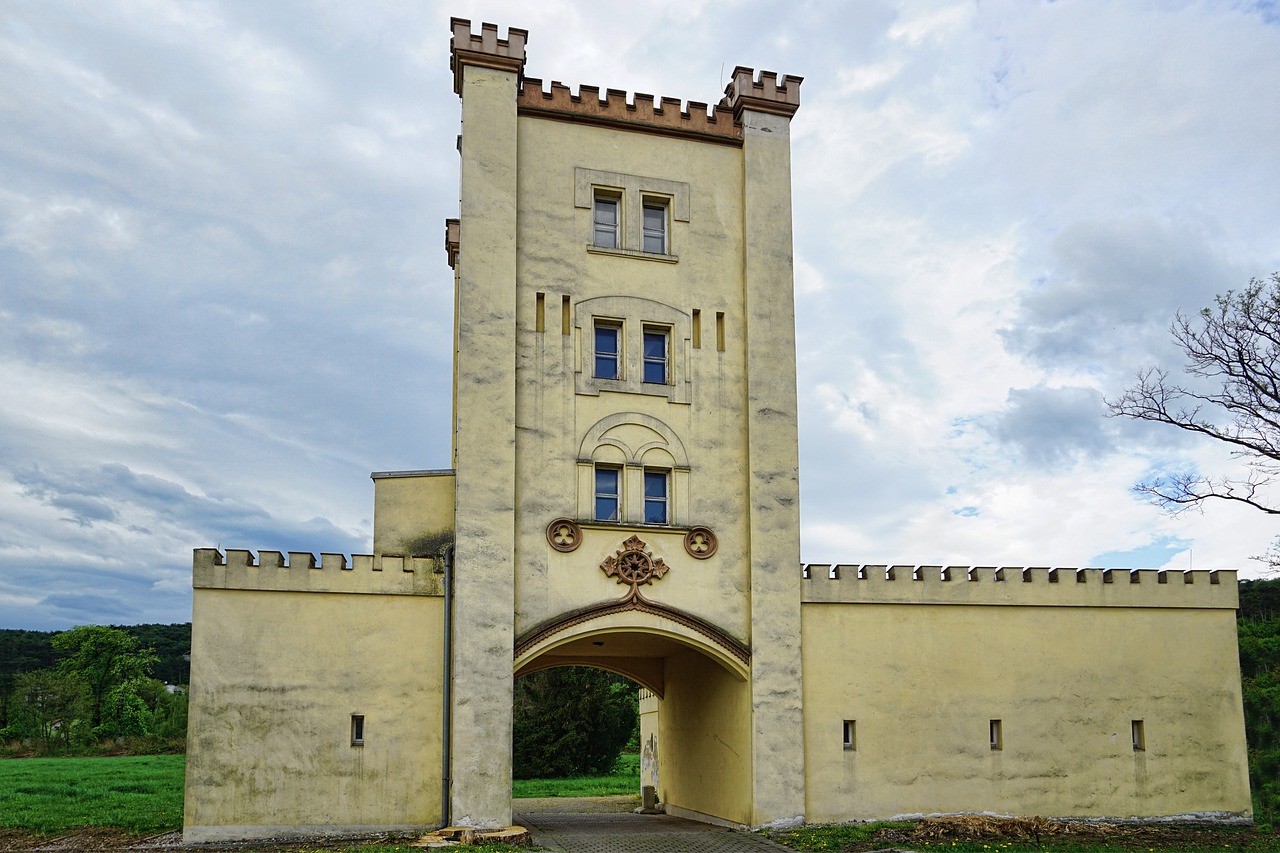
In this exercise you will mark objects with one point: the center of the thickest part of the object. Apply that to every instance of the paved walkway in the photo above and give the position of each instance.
(607, 825)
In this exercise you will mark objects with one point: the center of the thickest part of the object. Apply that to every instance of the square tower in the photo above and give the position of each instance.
(625, 423)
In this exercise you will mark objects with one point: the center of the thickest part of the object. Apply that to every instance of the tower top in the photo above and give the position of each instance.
(485, 50)
(773, 93)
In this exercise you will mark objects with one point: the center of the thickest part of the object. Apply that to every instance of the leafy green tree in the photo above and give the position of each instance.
(49, 708)
(1258, 630)
(571, 721)
(109, 661)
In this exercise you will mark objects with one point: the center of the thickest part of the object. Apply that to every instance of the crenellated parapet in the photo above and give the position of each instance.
(485, 50)
(642, 112)
(371, 574)
(1036, 586)
(771, 93)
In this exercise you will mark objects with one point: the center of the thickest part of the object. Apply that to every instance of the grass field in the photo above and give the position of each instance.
(140, 793)
(624, 780)
(143, 795)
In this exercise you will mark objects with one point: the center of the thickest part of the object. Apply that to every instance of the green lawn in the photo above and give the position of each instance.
(625, 779)
(140, 793)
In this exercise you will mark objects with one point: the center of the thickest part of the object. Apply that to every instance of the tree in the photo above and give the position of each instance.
(1233, 357)
(49, 708)
(571, 721)
(109, 661)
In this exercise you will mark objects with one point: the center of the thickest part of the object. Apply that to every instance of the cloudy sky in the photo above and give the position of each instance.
(224, 298)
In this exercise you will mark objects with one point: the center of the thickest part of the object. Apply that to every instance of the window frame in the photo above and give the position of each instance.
(646, 360)
(617, 329)
(611, 199)
(615, 495)
(357, 729)
(663, 476)
(662, 233)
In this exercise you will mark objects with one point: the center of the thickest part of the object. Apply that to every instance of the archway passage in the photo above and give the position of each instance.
(695, 731)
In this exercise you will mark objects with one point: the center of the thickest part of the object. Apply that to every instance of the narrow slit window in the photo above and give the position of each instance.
(850, 735)
(656, 346)
(607, 494)
(720, 331)
(540, 313)
(608, 341)
(997, 735)
(655, 227)
(656, 502)
(605, 221)
(357, 729)
(1138, 730)
(565, 327)
(697, 328)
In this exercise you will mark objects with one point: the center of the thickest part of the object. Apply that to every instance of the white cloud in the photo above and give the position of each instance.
(223, 298)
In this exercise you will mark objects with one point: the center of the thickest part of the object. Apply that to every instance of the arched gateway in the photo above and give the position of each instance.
(624, 494)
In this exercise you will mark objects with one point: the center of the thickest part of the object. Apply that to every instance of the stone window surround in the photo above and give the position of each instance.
(599, 448)
(633, 191)
(634, 314)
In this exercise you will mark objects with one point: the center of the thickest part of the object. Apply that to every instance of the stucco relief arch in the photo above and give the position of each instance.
(633, 441)
(606, 432)
(629, 641)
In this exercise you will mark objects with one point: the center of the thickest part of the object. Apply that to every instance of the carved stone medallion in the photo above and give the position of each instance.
(700, 543)
(634, 564)
(564, 534)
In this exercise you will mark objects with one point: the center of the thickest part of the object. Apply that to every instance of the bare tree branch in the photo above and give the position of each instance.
(1235, 343)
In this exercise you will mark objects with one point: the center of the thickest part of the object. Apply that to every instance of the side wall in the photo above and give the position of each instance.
(276, 677)
(923, 683)
(704, 742)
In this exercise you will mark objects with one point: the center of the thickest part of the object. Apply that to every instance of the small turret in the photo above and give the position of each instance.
(485, 50)
(772, 93)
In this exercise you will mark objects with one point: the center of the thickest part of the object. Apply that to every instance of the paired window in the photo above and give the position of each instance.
(608, 494)
(607, 336)
(608, 351)
(607, 231)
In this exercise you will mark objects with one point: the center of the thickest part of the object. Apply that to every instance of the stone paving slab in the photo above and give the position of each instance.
(633, 833)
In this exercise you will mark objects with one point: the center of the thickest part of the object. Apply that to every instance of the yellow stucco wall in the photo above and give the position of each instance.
(923, 681)
(275, 679)
(408, 505)
(556, 407)
(704, 742)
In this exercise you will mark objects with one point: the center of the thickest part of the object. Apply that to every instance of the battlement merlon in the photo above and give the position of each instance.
(1036, 586)
(368, 574)
(643, 113)
(485, 50)
(772, 93)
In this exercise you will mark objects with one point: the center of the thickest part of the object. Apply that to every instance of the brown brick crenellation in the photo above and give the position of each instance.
(645, 112)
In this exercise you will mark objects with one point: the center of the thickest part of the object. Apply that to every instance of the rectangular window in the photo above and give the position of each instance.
(655, 497)
(655, 227)
(655, 355)
(997, 735)
(607, 502)
(1139, 732)
(605, 218)
(608, 340)
(357, 729)
(850, 734)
